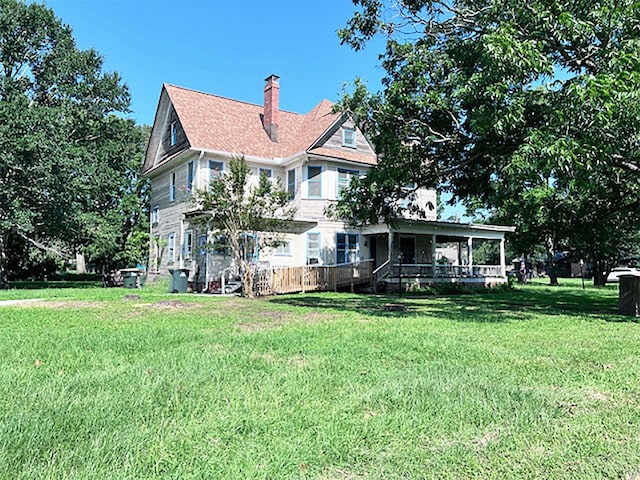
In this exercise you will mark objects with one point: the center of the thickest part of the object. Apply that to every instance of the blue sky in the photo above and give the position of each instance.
(222, 47)
(226, 47)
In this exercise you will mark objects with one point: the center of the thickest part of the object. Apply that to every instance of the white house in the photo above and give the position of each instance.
(314, 155)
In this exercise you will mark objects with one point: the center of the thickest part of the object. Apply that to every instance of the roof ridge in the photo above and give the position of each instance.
(229, 98)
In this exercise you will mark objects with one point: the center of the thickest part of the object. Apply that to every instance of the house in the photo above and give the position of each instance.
(314, 155)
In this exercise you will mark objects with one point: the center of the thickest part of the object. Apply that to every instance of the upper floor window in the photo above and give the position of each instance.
(314, 181)
(265, 172)
(172, 186)
(344, 178)
(291, 183)
(215, 169)
(191, 171)
(349, 137)
(174, 133)
(155, 215)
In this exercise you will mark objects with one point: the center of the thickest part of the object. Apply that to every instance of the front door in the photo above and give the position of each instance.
(373, 250)
(408, 249)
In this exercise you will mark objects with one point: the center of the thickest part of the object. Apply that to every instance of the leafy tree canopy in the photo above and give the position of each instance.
(530, 108)
(252, 215)
(63, 150)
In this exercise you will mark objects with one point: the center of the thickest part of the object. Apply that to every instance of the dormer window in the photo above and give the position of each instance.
(174, 133)
(349, 137)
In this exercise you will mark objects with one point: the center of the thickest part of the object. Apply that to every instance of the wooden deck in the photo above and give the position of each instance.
(313, 278)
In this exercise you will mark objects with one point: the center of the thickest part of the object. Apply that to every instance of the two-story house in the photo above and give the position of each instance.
(314, 155)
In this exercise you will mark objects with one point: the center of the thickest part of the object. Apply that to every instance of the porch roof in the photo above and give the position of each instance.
(446, 229)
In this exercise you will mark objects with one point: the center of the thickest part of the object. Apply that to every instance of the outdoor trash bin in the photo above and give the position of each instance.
(131, 277)
(178, 281)
(629, 295)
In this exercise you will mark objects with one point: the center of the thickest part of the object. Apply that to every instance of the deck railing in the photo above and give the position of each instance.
(428, 270)
(312, 278)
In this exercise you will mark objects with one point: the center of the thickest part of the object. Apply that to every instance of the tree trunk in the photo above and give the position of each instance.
(551, 266)
(4, 283)
(81, 265)
(600, 273)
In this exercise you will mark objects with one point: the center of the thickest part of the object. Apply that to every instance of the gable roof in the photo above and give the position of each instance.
(215, 123)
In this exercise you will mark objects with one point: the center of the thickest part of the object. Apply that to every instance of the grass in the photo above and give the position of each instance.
(537, 383)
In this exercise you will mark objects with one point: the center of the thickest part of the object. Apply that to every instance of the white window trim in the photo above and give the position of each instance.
(319, 181)
(353, 173)
(344, 137)
(292, 194)
(188, 245)
(155, 215)
(319, 257)
(173, 133)
(286, 253)
(211, 176)
(172, 185)
(191, 164)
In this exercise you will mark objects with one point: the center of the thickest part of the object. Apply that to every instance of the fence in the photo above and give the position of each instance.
(312, 278)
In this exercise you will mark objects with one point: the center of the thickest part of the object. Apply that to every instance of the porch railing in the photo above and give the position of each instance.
(428, 270)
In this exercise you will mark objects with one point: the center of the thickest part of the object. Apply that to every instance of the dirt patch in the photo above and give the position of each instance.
(598, 396)
(168, 305)
(486, 439)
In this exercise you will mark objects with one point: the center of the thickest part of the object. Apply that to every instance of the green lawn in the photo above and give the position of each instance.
(536, 383)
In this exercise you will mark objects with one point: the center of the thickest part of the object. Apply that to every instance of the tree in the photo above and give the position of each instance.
(251, 216)
(530, 108)
(56, 121)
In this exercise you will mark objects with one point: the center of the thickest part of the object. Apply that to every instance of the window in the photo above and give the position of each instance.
(349, 137)
(291, 183)
(173, 133)
(284, 249)
(171, 248)
(249, 246)
(220, 245)
(191, 170)
(215, 169)
(188, 244)
(202, 245)
(313, 248)
(155, 215)
(314, 181)
(172, 186)
(347, 248)
(265, 172)
(344, 178)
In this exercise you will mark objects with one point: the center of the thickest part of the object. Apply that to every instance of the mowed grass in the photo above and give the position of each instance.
(536, 383)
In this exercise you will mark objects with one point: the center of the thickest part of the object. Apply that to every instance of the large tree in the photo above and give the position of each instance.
(532, 108)
(57, 125)
(251, 215)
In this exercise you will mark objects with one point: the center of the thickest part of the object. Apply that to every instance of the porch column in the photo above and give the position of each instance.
(503, 263)
(390, 247)
(433, 249)
(433, 255)
(470, 255)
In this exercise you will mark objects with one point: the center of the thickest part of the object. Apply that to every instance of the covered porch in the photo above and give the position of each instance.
(427, 252)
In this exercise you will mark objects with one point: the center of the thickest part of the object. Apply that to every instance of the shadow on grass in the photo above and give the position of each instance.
(33, 285)
(516, 305)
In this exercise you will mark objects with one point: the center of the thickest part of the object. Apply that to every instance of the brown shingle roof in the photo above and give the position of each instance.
(217, 123)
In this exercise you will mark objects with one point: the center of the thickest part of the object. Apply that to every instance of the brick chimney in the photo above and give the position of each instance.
(271, 107)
